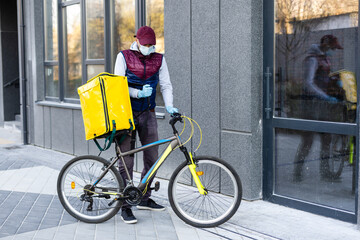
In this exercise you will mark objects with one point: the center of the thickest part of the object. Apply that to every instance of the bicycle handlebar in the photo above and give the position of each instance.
(175, 117)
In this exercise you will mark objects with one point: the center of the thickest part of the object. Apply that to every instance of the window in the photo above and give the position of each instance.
(124, 26)
(51, 48)
(95, 38)
(83, 37)
(72, 50)
(155, 19)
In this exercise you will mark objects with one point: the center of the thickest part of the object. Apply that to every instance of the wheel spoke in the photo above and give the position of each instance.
(76, 192)
(213, 208)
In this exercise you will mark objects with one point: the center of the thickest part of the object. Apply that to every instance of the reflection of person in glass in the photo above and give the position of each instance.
(319, 101)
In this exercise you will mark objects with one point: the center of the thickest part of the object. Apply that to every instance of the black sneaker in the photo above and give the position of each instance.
(150, 205)
(327, 178)
(127, 216)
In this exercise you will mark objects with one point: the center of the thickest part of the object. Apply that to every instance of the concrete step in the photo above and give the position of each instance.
(13, 125)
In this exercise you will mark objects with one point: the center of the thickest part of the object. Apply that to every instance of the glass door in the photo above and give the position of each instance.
(310, 105)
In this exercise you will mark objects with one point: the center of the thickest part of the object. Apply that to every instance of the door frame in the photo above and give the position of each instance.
(271, 122)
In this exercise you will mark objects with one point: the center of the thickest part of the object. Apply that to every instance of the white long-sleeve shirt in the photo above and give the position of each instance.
(164, 77)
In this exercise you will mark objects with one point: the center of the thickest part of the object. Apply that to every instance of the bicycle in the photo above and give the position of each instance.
(203, 191)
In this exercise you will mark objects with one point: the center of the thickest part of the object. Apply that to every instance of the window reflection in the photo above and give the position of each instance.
(155, 19)
(93, 70)
(315, 43)
(72, 50)
(95, 29)
(124, 25)
(316, 167)
(52, 81)
(50, 29)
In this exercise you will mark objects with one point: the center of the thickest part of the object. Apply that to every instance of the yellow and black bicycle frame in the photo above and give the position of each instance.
(143, 185)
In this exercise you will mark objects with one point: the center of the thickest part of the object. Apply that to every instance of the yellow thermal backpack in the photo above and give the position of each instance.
(348, 80)
(106, 107)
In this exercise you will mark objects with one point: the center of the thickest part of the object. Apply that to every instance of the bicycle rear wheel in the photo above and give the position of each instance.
(219, 205)
(339, 153)
(80, 199)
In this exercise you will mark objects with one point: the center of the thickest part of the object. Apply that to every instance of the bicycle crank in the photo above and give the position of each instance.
(132, 195)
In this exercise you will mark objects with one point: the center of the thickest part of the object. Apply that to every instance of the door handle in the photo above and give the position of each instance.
(267, 109)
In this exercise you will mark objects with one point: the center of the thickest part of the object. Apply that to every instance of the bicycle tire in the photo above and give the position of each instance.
(197, 210)
(80, 172)
(339, 154)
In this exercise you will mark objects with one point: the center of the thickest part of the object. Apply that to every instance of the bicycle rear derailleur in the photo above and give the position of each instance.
(87, 196)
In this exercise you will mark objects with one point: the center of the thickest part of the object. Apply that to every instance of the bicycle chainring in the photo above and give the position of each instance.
(132, 195)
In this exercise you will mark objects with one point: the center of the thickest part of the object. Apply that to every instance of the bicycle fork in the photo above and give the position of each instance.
(195, 174)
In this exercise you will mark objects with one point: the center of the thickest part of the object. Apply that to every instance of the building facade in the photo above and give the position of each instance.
(237, 68)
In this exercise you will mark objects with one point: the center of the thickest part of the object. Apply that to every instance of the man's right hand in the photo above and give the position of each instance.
(145, 92)
(332, 99)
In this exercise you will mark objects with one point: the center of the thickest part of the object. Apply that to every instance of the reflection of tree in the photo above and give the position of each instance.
(155, 19)
(50, 29)
(294, 21)
(124, 24)
(73, 51)
(95, 29)
(297, 22)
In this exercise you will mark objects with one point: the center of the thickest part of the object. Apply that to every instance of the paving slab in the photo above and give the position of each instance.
(30, 209)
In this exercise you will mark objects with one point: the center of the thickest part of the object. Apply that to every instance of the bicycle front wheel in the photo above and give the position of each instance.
(80, 199)
(224, 192)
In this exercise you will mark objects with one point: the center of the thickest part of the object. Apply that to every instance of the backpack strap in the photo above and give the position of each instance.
(108, 141)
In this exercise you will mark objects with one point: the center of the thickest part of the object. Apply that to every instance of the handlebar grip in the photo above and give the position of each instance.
(175, 117)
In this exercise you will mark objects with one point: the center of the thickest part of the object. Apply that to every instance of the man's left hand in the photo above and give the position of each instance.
(171, 110)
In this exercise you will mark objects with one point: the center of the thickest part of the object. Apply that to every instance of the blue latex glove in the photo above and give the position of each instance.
(339, 83)
(171, 110)
(145, 92)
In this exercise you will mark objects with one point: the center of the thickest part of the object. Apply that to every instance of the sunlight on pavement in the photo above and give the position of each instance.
(4, 141)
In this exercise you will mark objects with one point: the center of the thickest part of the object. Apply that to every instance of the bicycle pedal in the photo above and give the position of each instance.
(156, 187)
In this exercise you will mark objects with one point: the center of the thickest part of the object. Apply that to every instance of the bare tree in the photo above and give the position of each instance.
(296, 19)
(294, 22)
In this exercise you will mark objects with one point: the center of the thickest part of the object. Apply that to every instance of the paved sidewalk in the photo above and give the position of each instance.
(30, 209)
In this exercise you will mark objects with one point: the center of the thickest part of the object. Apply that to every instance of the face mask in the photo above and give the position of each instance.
(330, 52)
(146, 50)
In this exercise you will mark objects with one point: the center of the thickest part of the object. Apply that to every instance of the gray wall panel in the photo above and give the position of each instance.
(178, 51)
(205, 73)
(236, 149)
(241, 81)
(93, 149)
(39, 126)
(256, 94)
(80, 144)
(235, 64)
(47, 127)
(62, 138)
(176, 156)
(177, 30)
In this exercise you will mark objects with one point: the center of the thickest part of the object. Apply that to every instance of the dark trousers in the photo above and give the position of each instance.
(146, 129)
(322, 111)
(307, 139)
